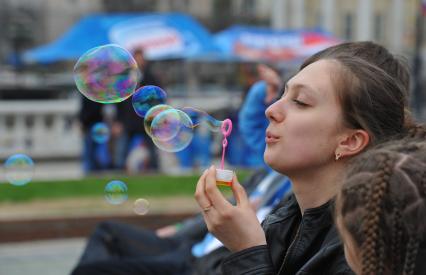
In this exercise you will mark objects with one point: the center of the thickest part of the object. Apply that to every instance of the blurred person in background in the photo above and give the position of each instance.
(95, 156)
(252, 122)
(127, 129)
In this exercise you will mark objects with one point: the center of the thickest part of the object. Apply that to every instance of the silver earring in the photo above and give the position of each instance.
(338, 155)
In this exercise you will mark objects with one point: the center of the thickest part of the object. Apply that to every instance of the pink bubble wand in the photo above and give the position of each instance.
(226, 130)
(224, 177)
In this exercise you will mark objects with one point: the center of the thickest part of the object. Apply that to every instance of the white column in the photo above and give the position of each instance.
(39, 132)
(397, 23)
(20, 133)
(298, 14)
(364, 17)
(278, 14)
(327, 13)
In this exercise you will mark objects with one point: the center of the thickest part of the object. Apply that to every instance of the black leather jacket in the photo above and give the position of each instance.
(295, 245)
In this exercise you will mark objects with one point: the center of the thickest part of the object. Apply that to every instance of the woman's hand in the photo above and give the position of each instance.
(237, 227)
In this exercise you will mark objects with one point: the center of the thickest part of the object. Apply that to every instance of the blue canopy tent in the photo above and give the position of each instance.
(163, 36)
(248, 43)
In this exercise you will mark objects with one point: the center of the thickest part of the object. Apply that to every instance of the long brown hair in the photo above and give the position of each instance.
(382, 204)
(372, 87)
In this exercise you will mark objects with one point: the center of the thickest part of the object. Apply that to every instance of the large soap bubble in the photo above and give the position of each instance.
(107, 74)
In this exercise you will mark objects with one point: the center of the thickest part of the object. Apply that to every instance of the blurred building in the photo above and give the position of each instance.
(390, 22)
(37, 109)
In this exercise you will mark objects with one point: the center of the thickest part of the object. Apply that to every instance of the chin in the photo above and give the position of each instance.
(267, 157)
(272, 162)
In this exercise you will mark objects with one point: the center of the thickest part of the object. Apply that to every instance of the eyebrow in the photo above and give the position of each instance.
(299, 86)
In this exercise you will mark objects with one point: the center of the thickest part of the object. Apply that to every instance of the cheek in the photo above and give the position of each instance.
(306, 139)
(312, 138)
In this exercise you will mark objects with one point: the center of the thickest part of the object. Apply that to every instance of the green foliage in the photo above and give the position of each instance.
(146, 185)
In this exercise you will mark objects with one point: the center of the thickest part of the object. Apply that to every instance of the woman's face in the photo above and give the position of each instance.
(304, 125)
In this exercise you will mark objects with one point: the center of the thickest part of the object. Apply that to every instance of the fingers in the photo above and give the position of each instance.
(239, 192)
(213, 193)
(200, 195)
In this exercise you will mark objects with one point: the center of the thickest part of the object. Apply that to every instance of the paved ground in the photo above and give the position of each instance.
(87, 207)
(56, 257)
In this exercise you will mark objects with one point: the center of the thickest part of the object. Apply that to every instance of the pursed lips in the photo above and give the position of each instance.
(270, 138)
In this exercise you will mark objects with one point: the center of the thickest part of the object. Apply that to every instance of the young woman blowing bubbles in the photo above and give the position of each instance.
(331, 110)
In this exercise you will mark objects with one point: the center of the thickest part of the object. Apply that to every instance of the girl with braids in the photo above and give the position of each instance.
(342, 100)
(381, 209)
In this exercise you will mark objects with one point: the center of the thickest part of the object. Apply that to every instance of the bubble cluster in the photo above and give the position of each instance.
(172, 129)
(141, 206)
(19, 169)
(116, 192)
(100, 132)
(147, 97)
(106, 74)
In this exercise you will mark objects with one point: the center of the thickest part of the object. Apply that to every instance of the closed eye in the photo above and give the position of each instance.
(300, 103)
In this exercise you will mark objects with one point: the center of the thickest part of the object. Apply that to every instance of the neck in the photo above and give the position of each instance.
(315, 188)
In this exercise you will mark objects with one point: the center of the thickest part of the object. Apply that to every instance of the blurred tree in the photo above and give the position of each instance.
(19, 23)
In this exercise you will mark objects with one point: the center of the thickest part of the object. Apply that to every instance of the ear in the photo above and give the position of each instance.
(353, 142)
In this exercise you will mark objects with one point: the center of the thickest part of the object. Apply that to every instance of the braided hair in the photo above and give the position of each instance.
(382, 204)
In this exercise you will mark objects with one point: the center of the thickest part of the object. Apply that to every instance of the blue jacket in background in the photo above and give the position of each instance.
(252, 122)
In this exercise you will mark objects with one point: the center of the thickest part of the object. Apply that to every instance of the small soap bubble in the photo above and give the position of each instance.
(19, 169)
(147, 97)
(100, 132)
(116, 192)
(176, 126)
(106, 74)
(141, 206)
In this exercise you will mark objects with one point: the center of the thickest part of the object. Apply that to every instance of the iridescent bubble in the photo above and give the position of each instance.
(147, 97)
(106, 74)
(176, 126)
(200, 117)
(116, 192)
(141, 206)
(166, 125)
(100, 132)
(19, 169)
(151, 114)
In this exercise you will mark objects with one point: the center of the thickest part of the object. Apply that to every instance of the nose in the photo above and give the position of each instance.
(275, 112)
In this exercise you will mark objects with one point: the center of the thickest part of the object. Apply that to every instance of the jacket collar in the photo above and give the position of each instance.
(317, 217)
